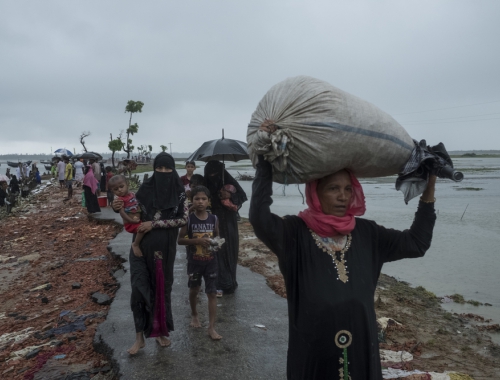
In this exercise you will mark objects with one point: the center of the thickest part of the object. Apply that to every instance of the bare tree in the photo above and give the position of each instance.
(82, 141)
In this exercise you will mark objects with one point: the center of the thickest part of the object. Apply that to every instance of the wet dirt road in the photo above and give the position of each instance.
(245, 352)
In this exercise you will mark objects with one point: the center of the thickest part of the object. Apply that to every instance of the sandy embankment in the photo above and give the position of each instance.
(53, 258)
(439, 341)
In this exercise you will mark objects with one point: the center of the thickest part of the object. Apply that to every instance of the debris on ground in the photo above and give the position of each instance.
(48, 317)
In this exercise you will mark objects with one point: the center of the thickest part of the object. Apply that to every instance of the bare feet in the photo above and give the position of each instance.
(137, 250)
(139, 343)
(163, 341)
(195, 322)
(213, 334)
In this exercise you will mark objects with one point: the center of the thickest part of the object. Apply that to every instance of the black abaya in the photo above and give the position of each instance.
(91, 201)
(161, 239)
(227, 256)
(163, 202)
(326, 314)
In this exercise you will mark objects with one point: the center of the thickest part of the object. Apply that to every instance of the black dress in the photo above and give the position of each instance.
(227, 256)
(91, 201)
(162, 241)
(327, 317)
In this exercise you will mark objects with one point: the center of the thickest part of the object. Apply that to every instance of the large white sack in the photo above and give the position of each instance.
(322, 130)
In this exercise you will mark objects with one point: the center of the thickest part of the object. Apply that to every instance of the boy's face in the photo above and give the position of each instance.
(190, 168)
(119, 188)
(200, 201)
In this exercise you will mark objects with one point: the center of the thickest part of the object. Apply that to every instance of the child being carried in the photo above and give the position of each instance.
(130, 212)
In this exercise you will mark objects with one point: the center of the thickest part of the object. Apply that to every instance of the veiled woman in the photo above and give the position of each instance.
(331, 262)
(164, 209)
(90, 191)
(216, 177)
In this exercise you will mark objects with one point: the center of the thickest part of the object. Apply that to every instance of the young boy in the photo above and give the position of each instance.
(190, 168)
(130, 212)
(201, 228)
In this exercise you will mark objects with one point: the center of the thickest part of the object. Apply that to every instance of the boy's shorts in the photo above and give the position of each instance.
(131, 227)
(209, 273)
(69, 184)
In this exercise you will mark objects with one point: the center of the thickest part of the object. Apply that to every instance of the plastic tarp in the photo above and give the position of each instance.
(322, 129)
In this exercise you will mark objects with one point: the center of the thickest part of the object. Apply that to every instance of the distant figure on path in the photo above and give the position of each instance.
(79, 166)
(190, 168)
(96, 168)
(331, 262)
(90, 191)
(68, 178)
(61, 171)
(216, 177)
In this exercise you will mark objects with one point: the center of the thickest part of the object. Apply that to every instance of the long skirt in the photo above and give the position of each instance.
(91, 201)
(227, 256)
(152, 276)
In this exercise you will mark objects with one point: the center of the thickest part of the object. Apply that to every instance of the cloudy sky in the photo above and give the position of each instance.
(200, 66)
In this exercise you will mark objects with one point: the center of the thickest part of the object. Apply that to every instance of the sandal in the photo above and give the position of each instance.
(219, 293)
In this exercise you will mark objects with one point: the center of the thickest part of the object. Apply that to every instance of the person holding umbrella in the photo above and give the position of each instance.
(216, 178)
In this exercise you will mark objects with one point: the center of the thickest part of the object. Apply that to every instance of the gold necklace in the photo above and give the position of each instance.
(340, 265)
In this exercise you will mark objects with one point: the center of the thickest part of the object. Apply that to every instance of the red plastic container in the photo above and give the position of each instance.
(103, 201)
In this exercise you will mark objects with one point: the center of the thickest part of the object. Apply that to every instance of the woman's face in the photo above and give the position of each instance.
(163, 169)
(335, 192)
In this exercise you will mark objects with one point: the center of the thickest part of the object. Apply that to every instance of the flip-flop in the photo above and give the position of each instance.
(219, 293)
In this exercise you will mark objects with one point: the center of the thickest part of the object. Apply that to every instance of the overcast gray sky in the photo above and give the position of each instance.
(200, 66)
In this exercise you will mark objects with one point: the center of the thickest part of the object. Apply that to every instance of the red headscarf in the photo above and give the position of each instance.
(328, 225)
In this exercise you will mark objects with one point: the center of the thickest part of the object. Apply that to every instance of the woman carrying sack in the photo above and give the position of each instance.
(331, 262)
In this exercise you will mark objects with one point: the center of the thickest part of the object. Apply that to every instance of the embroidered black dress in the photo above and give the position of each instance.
(325, 314)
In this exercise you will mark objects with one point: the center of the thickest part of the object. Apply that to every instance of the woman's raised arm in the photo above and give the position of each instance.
(414, 242)
(268, 227)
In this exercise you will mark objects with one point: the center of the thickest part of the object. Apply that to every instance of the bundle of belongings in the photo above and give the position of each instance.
(318, 129)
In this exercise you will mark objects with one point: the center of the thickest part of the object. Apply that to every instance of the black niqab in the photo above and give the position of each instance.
(216, 177)
(162, 191)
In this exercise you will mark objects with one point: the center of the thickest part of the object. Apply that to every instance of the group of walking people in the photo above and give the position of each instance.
(330, 258)
(90, 175)
(164, 204)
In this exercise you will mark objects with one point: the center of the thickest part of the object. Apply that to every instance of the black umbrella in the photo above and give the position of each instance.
(221, 149)
(89, 156)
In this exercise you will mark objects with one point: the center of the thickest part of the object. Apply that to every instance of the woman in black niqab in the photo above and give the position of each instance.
(164, 209)
(227, 257)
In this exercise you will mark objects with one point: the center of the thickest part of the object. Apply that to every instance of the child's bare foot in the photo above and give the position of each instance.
(163, 341)
(139, 343)
(213, 334)
(137, 250)
(195, 322)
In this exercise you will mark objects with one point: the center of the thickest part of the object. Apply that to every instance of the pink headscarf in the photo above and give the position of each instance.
(328, 225)
(89, 180)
